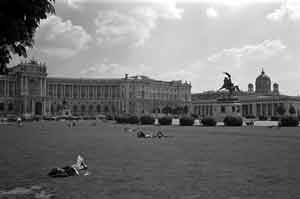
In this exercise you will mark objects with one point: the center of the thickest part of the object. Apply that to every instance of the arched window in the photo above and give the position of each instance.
(10, 107)
(82, 108)
(75, 108)
(1, 106)
(52, 109)
(98, 108)
(106, 109)
(91, 108)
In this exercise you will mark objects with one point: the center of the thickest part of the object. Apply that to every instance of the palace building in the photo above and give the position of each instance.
(27, 89)
(263, 101)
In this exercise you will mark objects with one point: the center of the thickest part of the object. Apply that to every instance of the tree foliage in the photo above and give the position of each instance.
(292, 110)
(281, 109)
(19, 20)
(167, 110)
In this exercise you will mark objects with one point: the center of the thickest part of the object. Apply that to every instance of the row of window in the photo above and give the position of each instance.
(9, 90)
(83, 91)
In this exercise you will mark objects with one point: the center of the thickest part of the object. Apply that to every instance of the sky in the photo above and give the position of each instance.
(193, 40)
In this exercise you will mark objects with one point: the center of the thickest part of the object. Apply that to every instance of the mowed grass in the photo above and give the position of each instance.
(194, 163)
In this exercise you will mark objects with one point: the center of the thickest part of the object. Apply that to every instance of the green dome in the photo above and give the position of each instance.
(263, 83)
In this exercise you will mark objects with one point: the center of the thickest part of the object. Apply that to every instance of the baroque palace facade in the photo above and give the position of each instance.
(252, 103)
(26, 89)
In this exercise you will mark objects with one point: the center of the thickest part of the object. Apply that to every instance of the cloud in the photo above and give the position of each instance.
(212, 12)
(133, 26)
(261, 51)
(289, 9)
(113, 70)
(59, 38)
(220, 2)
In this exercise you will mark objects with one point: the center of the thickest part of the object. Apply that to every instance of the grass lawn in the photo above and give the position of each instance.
(195, 163)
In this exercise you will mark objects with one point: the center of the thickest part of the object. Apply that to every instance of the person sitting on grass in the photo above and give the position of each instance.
(141, 134)
(160, 134)
(69, 170)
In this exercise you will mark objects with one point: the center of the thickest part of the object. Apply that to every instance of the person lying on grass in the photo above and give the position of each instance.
(69, 170)
(159, 134)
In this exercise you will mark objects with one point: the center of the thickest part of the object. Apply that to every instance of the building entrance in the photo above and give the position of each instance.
(38, 108)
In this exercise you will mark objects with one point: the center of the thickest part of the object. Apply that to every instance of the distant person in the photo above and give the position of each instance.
(19, 121)
(141, 134)
(160, 134)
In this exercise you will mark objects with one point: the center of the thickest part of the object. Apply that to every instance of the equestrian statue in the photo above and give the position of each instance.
(228, 85)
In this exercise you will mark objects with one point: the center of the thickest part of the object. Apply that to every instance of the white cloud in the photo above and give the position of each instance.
(289, 9)
(113, 70)
(60, 38)
(261, 51)
(133, 26)
(222, 2)
(212, 12)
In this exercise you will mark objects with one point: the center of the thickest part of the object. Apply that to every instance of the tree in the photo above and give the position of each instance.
(19, 20)
(167, 110)
(178, 110)
(292, 110)
(185, 109)
(281, 109)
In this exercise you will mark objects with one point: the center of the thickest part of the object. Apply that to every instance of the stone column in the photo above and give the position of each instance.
(26, 85)
(32, 107)
(45, 87)
(55, 90)
(41, 86)
(72, 91)
(5, 88)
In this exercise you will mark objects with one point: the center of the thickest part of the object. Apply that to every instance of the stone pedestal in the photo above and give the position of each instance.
(228, 105)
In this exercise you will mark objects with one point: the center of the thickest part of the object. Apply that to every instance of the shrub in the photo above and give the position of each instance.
(186, 121)
(250, 117)
(109, 117)
(263, 118)
(274, 118)
(147, 119)
(122, 119)
(209, 121)
(133, 120)
(165, 121)
(194, 115)
(233, 121)
(289, 121)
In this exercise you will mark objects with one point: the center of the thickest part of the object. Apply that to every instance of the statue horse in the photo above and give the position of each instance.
(228, 85)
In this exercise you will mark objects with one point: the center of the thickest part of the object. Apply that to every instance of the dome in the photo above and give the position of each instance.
(275, 88)
(263, 83)
(250, 87)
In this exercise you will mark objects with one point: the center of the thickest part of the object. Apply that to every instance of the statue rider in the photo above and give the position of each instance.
(228, 85)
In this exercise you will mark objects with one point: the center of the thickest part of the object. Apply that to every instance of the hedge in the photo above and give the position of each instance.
(133, 120)
(122, 119)
(186, 121)
(233, 121)
(147, 119)
(274, 118)
(165, 121)
(288, 121)
(209, 121)
(263, 118)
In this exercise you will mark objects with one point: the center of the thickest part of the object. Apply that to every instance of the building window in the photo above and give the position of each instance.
(10, 107)
(75, 108)
(98, 108)
(91, 108)
(223, 110)
(1, 106)
(82, 108)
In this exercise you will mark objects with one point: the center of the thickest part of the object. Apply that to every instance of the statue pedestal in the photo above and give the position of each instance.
(227, 106)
